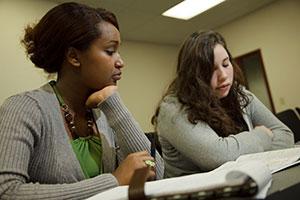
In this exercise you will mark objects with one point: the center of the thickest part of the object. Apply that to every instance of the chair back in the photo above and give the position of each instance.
(291, 119)
(153, 137)
(298, 111)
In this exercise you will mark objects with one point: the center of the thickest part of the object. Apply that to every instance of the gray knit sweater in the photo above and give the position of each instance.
(36, 157)
(189, 148)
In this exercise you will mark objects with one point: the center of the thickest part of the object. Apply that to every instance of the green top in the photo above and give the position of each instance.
(89, 154)
(88, 149)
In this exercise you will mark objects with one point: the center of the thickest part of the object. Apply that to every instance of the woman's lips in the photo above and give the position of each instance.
(117, 77)
(223, 87)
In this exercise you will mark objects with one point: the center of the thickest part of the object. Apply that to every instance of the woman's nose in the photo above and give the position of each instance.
(222, 74)
(119, 62)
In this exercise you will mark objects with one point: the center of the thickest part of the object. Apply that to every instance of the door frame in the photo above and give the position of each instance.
(238, 60)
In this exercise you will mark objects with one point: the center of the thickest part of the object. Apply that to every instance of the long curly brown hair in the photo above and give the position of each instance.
(192, 87)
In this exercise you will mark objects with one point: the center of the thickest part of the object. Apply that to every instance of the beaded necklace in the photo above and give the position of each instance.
(68, 115)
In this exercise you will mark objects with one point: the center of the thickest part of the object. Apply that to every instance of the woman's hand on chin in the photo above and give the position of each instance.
(98, 97)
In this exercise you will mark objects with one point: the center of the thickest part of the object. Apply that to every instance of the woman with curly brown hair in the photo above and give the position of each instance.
(207, 117)
(73, 137)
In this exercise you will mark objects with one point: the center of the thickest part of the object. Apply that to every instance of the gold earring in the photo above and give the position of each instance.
(76, 62)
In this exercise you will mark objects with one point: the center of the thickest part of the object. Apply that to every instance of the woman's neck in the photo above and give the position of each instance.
(73, 94)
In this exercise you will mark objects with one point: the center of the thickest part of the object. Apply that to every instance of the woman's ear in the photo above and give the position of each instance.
(72, 56)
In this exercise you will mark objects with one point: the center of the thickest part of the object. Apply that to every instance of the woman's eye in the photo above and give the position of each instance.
(110, 52)
(225, 65)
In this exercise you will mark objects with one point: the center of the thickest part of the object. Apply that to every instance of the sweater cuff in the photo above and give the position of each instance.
(113, 180)
(106, 181)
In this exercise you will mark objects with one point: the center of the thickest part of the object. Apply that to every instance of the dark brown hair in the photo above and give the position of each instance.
(192, 87)
(66, 25)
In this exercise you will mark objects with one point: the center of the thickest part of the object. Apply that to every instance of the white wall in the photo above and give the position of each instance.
(275, 30)
(148, 67)
(148, 70)
(17, 72)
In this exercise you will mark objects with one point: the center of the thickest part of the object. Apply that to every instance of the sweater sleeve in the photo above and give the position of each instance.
(261, 115)
(21, 130)
(200, 144)
(129, 133)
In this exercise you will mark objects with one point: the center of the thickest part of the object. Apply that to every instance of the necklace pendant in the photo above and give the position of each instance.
(68, 117)
(73, 129)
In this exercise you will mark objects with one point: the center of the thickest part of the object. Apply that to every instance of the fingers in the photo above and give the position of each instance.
(142, 159)
(98, 97)
(132, 162)
(151, 174)
(145, 160)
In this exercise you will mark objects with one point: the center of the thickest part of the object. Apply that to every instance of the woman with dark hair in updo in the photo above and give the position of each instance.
(73, 137)
(207, 117)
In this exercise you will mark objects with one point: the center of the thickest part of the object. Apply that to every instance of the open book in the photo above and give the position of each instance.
(258, 166)
(275, 160)
(258, 172)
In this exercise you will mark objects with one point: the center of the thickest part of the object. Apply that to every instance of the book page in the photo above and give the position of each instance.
(196, 182)
(275, 160)
(256, 170)
(184, 184)
(117, 193)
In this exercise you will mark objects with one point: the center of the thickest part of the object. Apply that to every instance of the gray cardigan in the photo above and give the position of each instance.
(37, 160)
(189, 148)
